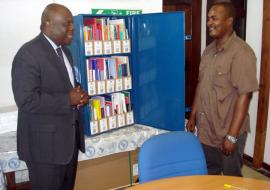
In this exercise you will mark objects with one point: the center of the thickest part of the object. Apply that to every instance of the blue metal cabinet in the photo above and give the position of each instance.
(157, 68)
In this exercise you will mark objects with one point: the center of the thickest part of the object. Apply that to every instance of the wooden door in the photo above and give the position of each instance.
(192, 9)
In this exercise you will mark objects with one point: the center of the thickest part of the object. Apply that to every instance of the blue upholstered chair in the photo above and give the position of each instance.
(171, 154)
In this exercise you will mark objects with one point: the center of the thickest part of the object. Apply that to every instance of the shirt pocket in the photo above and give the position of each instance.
(222, 84)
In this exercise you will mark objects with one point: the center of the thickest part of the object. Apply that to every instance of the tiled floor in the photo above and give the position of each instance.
(251, 173)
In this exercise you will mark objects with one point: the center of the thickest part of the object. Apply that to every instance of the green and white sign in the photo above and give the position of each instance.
(115, 12)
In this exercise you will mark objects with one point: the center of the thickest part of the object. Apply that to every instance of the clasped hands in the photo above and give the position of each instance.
(78, 97)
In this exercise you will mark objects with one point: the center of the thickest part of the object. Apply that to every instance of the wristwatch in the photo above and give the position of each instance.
(232, 139)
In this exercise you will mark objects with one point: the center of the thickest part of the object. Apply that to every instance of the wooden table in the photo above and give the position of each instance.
(206, 182)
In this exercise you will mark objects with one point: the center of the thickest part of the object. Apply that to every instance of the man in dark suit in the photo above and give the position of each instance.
(50, 130)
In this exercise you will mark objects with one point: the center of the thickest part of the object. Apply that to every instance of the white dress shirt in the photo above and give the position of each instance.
(67, 64)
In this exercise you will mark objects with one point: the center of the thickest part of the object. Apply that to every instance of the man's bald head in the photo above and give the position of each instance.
(57, 23)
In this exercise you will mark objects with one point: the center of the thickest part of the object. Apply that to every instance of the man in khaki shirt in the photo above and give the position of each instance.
(227, 78)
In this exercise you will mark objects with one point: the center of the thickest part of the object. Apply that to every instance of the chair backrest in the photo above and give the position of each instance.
(171, 154)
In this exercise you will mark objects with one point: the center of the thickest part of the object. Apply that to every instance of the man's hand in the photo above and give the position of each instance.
(191, 125)
(228, 147)
(78, 97)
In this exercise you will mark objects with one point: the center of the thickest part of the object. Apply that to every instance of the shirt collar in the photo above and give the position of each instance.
(51, 42)
(227, 43)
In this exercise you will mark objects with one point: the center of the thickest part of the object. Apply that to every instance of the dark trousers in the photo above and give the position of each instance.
(218, 163)
(54, 176)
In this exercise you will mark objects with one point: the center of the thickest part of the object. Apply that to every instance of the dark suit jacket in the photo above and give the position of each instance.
(46, 131)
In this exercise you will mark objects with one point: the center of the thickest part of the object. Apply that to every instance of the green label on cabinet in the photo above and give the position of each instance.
(115, 12)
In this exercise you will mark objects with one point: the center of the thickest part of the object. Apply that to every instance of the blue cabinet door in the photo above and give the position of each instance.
(158, 56)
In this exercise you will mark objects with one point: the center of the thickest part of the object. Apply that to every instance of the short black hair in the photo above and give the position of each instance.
(228, 6)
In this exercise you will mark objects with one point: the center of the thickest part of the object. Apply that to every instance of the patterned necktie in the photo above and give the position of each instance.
(61, 58)
(60, 55)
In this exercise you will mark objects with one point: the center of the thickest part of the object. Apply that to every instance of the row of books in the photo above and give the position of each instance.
(111, 122)
(108, 74)
(109, 104)
(104, 29)
(103, 68)
(105, 36)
